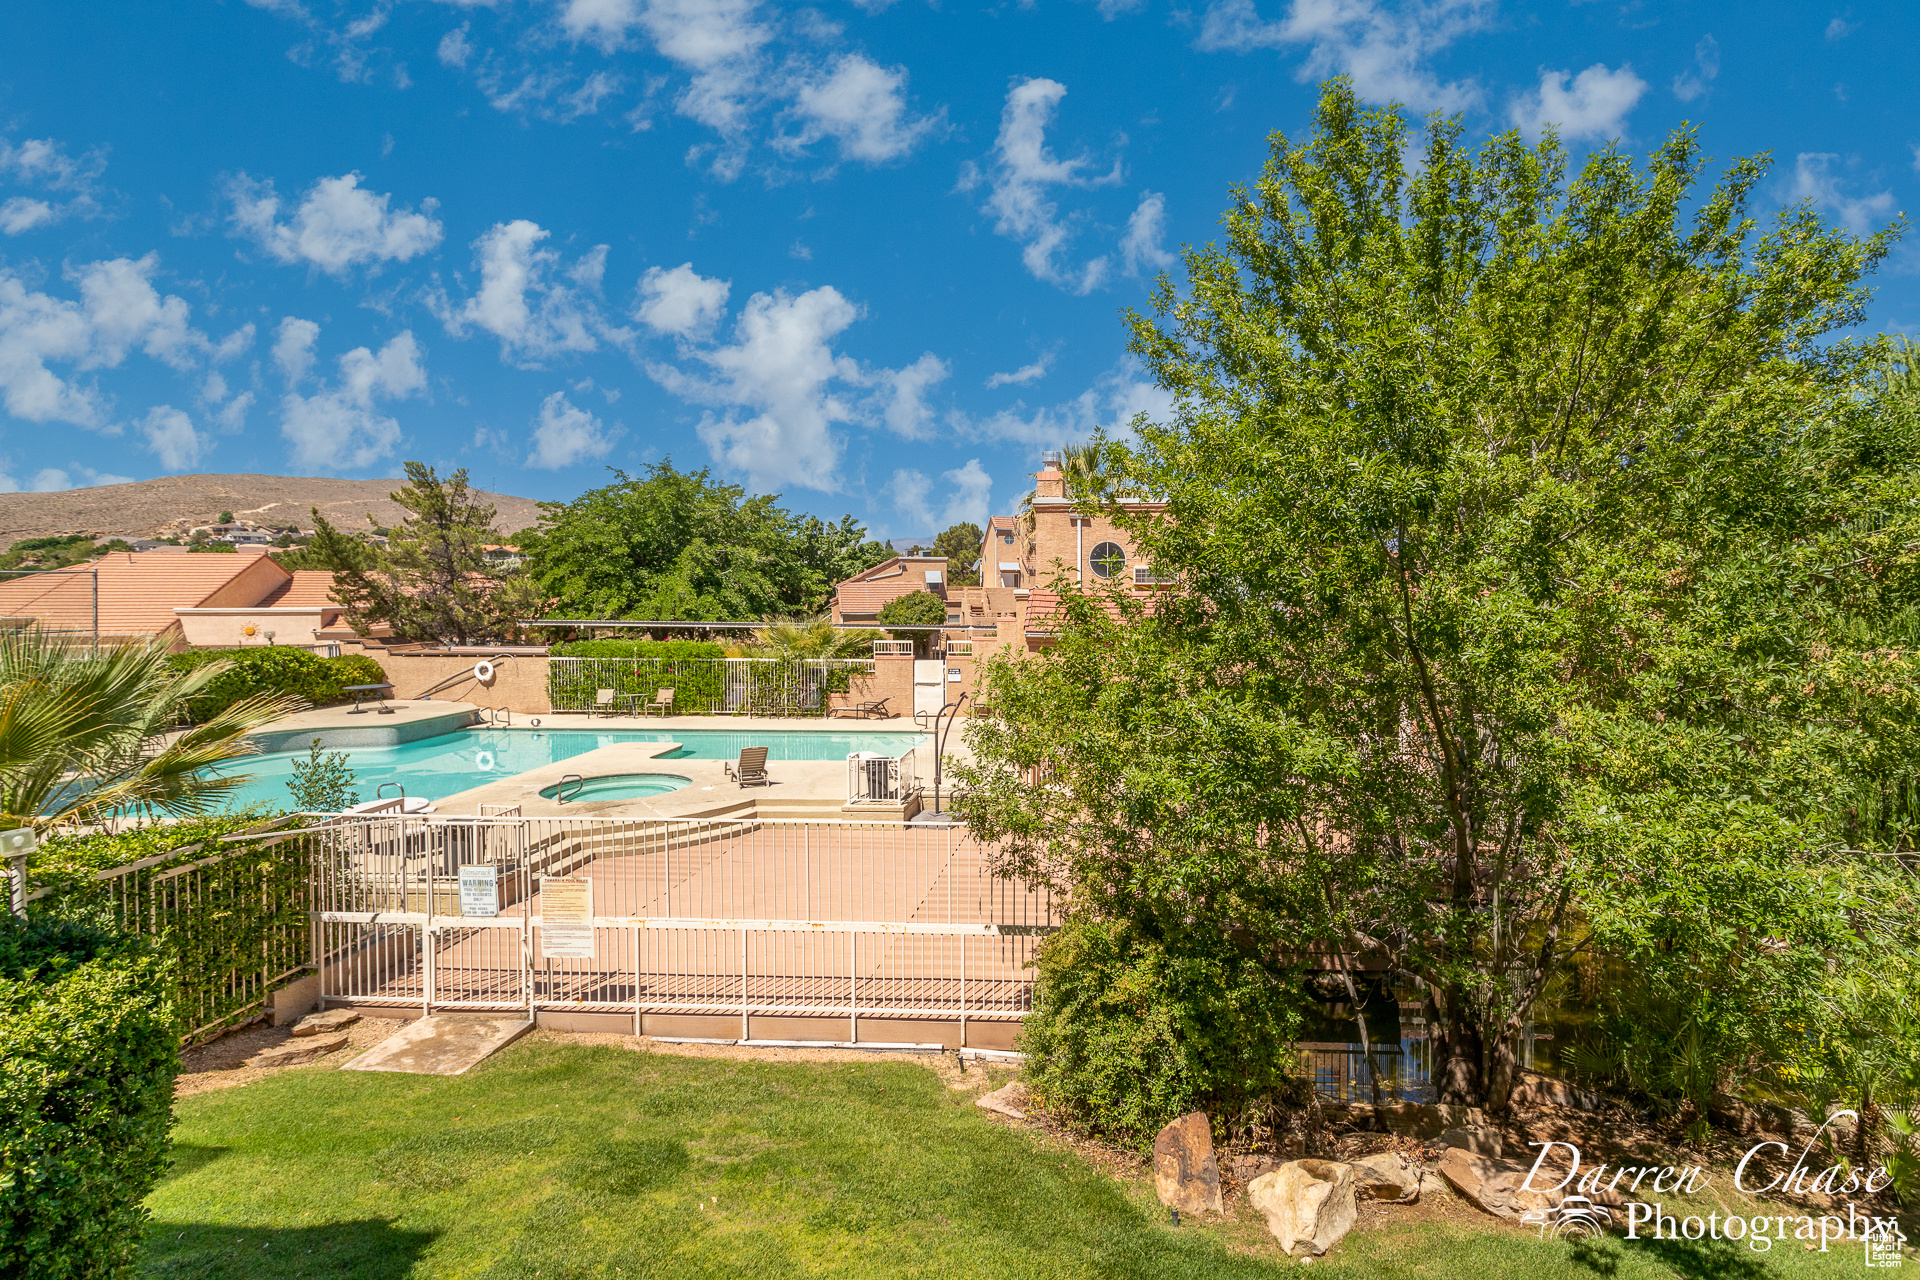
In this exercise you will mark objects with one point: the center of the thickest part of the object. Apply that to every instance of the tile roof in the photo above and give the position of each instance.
(307, 589)
(139, 590)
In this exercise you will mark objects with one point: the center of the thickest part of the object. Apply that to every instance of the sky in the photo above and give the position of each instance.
(871, 256)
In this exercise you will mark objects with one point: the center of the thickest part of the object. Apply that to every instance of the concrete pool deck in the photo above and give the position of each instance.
(404, 720)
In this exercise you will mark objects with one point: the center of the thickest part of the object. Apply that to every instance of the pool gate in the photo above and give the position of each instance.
(708, 929)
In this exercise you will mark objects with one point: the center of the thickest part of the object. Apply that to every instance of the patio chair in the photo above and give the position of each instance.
(603, 701)
(865, 710)
(752, 769)
(662, 702)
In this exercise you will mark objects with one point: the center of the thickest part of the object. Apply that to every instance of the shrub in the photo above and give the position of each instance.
(664, 650)
(87, 1062)
(276, 669)
(323, 782)
(915, 609)
(1127, 1034)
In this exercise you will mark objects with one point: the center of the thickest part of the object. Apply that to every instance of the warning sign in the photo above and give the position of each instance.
(566, 918)
(480, 892)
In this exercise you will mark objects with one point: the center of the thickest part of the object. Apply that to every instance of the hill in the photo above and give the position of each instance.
(171, 504)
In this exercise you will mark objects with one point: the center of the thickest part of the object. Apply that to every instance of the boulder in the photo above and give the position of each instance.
(319, 1024)
(1244, 1169)
(1493, 1185)
(1386, 1175)
(296, 1053)
(1184, 1173)
(1536, 1090)
(1480, 1139)
(1009, 1100)
(1308, 1204)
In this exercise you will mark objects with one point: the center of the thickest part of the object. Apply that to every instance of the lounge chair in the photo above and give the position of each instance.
(752, 769)
(603, 701)
(865, 710)
(662, 702)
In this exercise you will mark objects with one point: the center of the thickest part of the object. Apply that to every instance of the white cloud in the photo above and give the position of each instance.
(118, 311)
(862, 106)
(54, 480)
(1141, 249)
(23, 214)
(1110, 404)
(564, 436)
(904, 392)
(1814, 180)
(776, 388)
(293, 348)
(1706, 59)
(43, 163)
(719, 41)
(170, 435)
(1023, 375)
(681, 302)
(1840, 28)
(454, 47)
(528, 299)
(1384, 47)
(1023, 170)
(337, 225)
(232, 416)
(340, 428)
(969, 488)
(1594, 107)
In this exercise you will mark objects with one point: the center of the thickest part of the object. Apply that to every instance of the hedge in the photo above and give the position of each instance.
(698, 681)
(275, 669)
(660, 650)
(88, 1057)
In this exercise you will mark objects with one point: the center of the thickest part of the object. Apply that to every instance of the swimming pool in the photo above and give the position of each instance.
(453, 762)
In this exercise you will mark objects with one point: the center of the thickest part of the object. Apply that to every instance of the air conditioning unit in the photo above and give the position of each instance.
(872, 776)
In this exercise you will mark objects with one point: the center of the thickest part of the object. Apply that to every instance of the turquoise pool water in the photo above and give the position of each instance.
(619, 786)
(439, 767)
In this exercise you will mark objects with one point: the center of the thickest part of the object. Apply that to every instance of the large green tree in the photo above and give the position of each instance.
(960, 544)
(1546, 586)
(672, 544)
(433, 580)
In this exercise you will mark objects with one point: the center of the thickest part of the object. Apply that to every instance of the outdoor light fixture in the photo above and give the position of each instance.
(15, 845)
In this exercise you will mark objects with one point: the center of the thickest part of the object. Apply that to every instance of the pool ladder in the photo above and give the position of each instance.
(560, 788)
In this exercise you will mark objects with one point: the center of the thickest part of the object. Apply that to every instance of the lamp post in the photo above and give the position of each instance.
(940, 742)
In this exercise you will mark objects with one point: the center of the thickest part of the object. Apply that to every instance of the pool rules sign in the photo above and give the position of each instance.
(566, 918)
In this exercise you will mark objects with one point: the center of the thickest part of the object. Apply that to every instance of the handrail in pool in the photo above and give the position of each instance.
(383, 786)
(560, 788)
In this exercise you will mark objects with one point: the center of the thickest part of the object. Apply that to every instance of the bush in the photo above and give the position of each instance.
(87, 1062)
(1127, 1035)
(323, 782)
(915, 609)
(275, 669)
(663, 650)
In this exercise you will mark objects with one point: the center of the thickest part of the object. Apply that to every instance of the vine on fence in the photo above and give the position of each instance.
(703, 686)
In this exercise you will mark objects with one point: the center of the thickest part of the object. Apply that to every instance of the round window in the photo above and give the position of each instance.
(1108, 559)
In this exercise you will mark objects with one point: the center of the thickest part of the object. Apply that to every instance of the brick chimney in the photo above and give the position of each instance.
(1050, 481)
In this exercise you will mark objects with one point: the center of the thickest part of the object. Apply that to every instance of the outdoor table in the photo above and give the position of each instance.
(360, 691)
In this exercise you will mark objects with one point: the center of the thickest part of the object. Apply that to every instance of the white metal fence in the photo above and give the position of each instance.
(703, 686)
(744, 919)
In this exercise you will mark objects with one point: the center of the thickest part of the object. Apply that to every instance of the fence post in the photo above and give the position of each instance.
(743, 983)
(853, 986)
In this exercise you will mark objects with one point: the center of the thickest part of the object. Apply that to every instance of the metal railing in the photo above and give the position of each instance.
(740, 918)
(893, 648)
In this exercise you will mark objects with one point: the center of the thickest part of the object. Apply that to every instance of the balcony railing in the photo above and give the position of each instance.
(959, 648)
(893, 648)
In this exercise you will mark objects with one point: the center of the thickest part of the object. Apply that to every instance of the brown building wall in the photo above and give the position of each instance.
(519, 684)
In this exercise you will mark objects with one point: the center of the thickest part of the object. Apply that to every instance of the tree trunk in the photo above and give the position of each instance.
(1499, 1070)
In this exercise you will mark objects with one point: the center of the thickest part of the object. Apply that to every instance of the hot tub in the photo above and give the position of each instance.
(617, 786)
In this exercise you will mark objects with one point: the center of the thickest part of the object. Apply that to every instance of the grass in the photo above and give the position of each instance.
(557, 1161)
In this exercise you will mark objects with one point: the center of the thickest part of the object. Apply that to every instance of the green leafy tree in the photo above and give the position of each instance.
(82, 733)
(915, 609)
(433, 580)
(803, 638)
(1548, 572)
(675, 545)
(323, 782)
(960, 544)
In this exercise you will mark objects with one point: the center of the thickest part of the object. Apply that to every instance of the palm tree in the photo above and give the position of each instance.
(82, 732)
(801, 638)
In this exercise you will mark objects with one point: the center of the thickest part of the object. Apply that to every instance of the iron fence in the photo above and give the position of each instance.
(703, 686)
(746, 918)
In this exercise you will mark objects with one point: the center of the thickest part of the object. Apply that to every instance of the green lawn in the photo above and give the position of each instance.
(564, 1161)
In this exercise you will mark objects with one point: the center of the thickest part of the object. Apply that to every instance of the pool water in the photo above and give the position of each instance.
(453, 762)
(618, 786)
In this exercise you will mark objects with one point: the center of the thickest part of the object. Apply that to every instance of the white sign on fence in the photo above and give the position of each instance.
(566, 918)
(480, 892)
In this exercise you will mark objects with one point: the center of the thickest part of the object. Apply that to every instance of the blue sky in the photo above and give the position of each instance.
(868, 255)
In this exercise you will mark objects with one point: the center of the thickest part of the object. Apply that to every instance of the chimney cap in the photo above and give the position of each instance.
(1051, 459)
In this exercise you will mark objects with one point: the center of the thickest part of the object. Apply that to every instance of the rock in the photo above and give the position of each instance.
(1434, 1187)
(1009, 1100)
(1494, 1185)
(1480, 1139)
(1184, 1172)
(1387, 1175)
(1308, 1204)
(298, 1052)
(1244, 1169)
(1537, 1090)
(318, 1024)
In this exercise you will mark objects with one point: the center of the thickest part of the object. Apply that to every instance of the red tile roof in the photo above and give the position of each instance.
(307, 589)
(139, 590)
